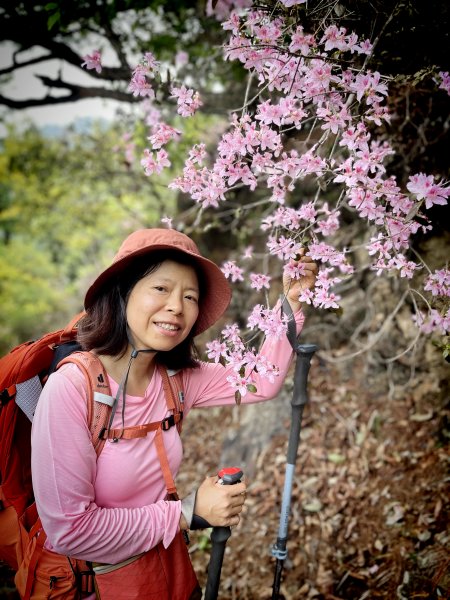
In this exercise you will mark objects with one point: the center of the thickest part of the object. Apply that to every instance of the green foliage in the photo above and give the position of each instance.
(31, 298)
(65, 205)
(444, 346)
(204, 540)
(54, 17)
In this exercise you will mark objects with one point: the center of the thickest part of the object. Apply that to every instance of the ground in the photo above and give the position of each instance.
(370, 500)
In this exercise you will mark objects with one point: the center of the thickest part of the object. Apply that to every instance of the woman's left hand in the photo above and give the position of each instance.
(292, 288)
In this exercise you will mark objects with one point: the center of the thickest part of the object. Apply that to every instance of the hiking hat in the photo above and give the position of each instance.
(217, 293)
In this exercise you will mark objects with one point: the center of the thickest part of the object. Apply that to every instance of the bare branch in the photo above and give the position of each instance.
(26, 63)
(76, 92)
(64, 52)
(116, 44)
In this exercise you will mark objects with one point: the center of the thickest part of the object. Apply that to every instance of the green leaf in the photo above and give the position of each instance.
(251, 388)
(53, 19)
(336, 458)
(314, 506)
(237, 398)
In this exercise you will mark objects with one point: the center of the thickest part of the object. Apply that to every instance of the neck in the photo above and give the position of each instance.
(141, 370)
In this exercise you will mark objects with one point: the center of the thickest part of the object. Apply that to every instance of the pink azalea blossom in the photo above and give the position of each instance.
(231, 333)
(93, 61)
(216, 350)
(232, 24)
(260, 281)
(294, 269)
(370, 86)
(163, 134)
(139, 84)
(198, 153)
(306, 296)
(322, 299)
(433, 322)
(188, 100)
(424, 188)
(445, 81)
(238, 383)
(365, 47)
(301, 42)
(154, 163)
(232, 271)
(268, 321)
(438, 283)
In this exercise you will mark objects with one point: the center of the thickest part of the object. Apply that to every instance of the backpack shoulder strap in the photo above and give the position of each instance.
(99, 399)
(174, 393)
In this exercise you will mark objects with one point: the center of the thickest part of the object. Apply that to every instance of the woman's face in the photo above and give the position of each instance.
(163, 306)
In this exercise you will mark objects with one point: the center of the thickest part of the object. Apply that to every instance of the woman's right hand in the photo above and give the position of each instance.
(218, 504)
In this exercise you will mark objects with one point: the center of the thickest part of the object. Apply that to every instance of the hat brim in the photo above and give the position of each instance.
(216, 296)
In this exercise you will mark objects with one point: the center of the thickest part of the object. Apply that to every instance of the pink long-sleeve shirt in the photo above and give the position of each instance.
(110, 508)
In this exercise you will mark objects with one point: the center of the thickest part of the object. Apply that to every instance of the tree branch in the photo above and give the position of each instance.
(16, 65)
(76, 92)
(64, 52)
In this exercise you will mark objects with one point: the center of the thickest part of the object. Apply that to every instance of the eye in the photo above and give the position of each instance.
(192, 298)
(160, 288)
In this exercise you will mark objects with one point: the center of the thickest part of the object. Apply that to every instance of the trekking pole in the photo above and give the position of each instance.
(219, 537)
(299, 400)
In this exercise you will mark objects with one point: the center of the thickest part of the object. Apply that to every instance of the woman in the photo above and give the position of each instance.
(142, 312)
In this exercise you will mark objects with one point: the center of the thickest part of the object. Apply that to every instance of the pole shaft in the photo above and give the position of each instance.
(299, 400)
(219, 538)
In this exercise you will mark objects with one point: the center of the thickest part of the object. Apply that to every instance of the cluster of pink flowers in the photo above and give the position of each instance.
(259, 281)
(232, 271)
(154, 163)
(163, 133)
(188, 100)
(304, 86)
(232, 349)
(438, 283)
(433, 321)
(308, 81)
(140, 84)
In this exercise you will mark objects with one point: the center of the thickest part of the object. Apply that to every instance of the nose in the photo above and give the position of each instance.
(175, 303)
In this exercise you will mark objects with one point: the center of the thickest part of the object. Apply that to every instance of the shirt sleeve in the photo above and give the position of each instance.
(209, 386)
(64, 470)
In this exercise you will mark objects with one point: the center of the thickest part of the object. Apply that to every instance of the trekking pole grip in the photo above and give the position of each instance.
(300, 398)
(304, 353)
(219, 537)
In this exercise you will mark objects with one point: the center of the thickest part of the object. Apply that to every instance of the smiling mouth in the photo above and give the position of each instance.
(168, 326)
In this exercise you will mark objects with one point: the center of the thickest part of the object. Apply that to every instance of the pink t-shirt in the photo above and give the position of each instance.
(109, 509)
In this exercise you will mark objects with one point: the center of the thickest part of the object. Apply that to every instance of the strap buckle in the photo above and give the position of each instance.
(169, 422)
(4, 397)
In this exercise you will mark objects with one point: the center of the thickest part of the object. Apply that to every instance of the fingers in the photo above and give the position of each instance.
(220, 505)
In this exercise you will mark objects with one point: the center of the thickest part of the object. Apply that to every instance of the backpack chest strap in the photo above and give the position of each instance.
(140, 431)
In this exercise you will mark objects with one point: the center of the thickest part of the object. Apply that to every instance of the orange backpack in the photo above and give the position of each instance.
(23, 373)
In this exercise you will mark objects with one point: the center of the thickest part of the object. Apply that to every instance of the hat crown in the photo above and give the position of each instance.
(144, 238)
